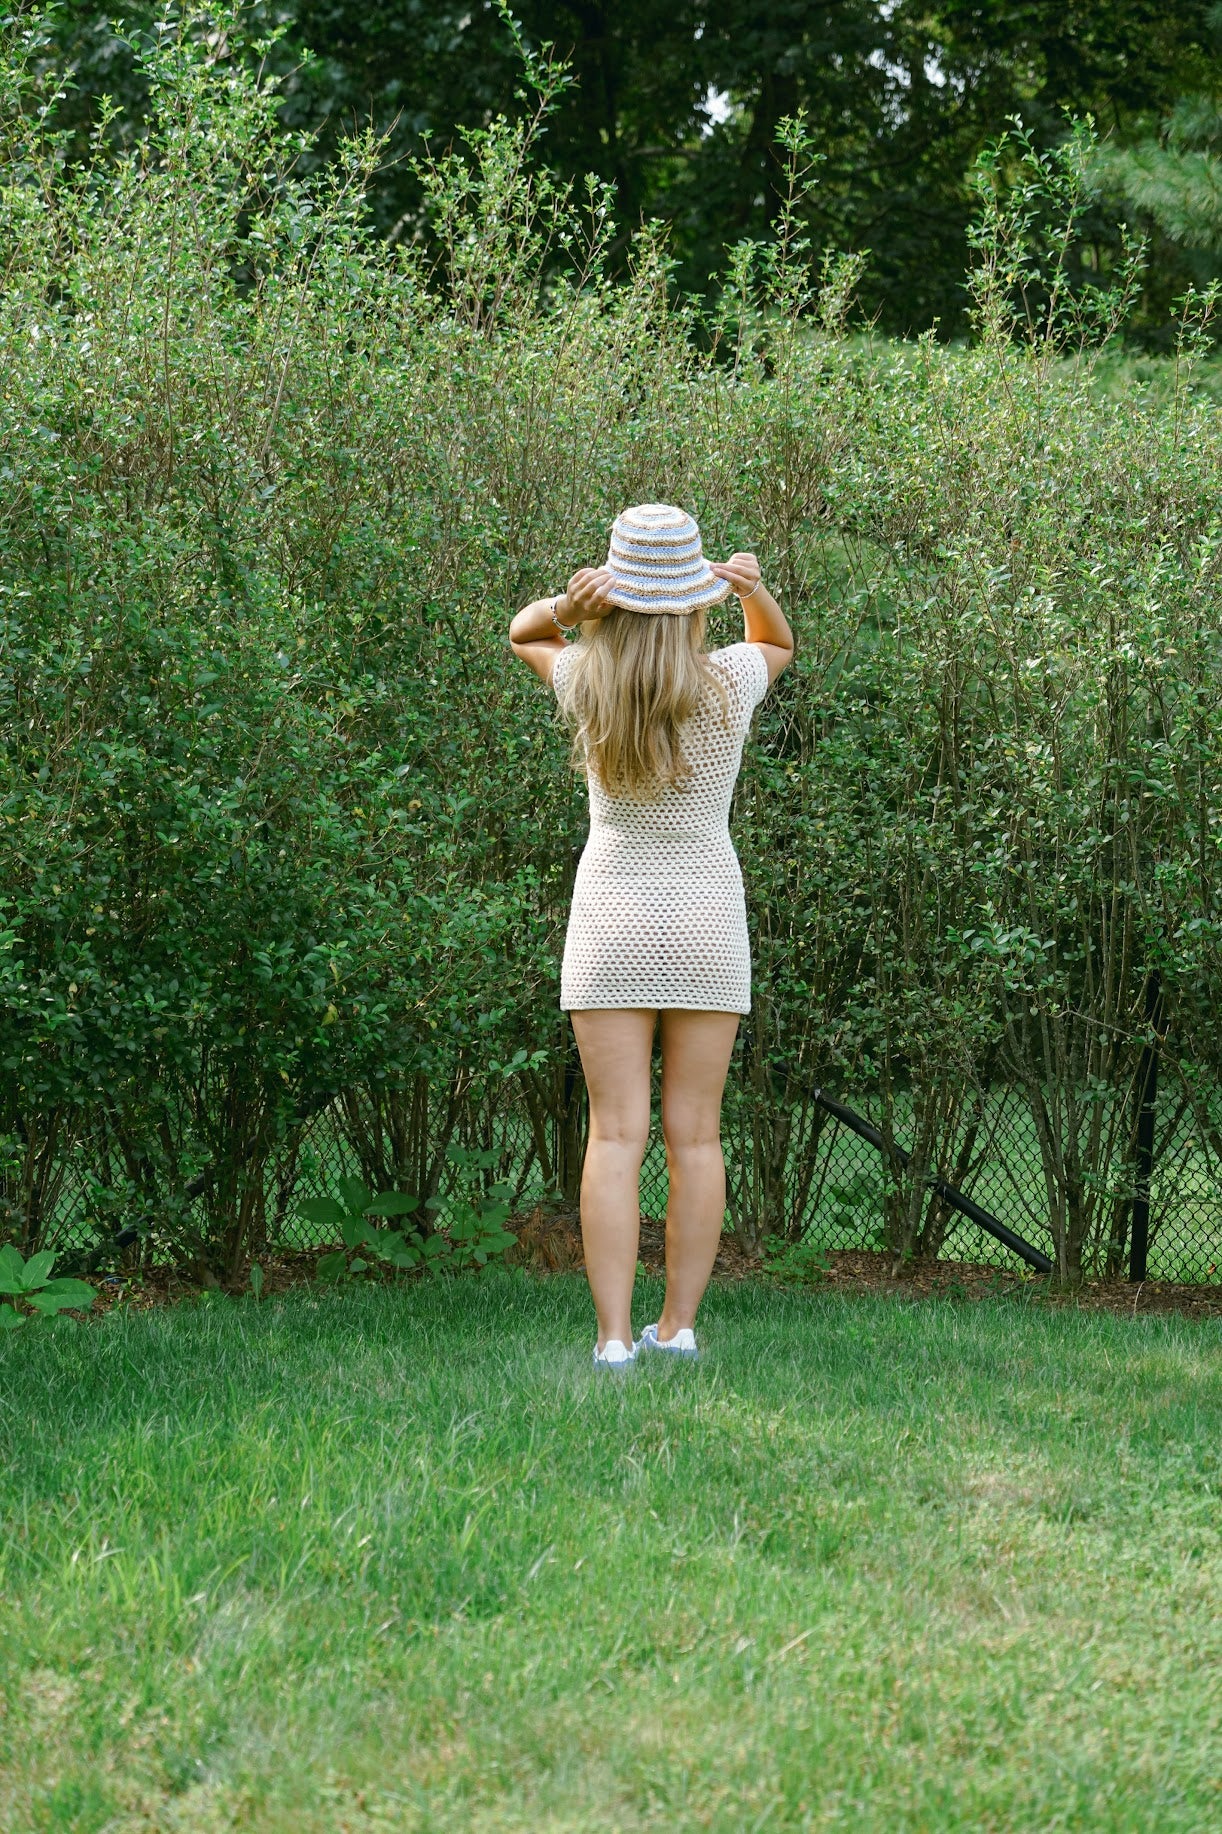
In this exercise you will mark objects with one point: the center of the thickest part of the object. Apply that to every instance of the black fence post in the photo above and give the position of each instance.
(1147, 1102)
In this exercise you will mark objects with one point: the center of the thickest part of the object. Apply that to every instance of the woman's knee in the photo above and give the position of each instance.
(686, 1134)
(624, 1131)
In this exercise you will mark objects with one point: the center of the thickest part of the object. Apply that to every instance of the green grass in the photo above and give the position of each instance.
(397, 1559)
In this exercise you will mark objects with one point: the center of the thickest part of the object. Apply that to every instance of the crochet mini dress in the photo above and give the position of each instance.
(658, 917)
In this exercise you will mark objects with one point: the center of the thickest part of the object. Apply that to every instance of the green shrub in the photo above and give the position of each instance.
(286, 831)
(30, 1283)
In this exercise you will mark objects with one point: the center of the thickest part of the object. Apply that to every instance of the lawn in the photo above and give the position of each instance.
(397, 1559)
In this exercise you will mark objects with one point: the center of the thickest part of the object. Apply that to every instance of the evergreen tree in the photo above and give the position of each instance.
(1174, 178)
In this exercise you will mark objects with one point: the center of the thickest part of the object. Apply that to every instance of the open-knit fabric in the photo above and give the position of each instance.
(658, 917)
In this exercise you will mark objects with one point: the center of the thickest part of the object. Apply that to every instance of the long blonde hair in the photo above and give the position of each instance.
(634, 679)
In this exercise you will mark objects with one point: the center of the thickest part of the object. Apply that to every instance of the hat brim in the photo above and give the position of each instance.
(705, 594)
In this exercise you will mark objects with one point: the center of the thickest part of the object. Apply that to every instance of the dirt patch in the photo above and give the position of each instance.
(549, 1241)
(139, 1290)
(872, 1273)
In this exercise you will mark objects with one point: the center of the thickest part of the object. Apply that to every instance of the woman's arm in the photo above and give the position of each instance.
(533, 635)
(764, 622)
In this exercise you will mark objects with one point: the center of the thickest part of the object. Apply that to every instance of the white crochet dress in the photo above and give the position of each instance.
(658, 916)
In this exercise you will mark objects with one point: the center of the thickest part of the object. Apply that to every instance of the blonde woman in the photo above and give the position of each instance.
(657, 934)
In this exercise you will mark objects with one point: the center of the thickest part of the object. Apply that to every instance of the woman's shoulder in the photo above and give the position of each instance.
(744, 667)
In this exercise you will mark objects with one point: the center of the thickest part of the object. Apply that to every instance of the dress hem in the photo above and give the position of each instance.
(637, 1006)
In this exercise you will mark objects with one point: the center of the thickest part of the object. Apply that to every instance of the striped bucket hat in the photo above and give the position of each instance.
(658, 564)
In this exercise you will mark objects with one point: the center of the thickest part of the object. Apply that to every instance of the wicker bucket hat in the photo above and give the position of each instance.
(658, 564)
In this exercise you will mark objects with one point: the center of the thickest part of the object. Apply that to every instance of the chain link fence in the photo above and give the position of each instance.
(828, 1186)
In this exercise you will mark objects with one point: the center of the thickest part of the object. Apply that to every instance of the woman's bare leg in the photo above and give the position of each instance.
(616, 1048)
(696, 1049)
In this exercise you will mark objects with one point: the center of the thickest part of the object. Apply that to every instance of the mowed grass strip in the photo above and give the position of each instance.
(400, 1559)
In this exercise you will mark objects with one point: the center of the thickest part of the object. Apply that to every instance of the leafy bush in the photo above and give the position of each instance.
(31, 1284)
(285, 830)
(797, 1263)
(349, 1214)
(474, 1230)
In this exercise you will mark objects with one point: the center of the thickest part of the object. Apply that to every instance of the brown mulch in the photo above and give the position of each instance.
(142, 1289)
(550, 1242)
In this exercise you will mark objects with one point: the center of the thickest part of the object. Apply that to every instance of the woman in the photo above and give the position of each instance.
(658, 931)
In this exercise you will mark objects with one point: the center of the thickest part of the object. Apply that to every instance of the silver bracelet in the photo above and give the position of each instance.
(748, 595)
(566, 628)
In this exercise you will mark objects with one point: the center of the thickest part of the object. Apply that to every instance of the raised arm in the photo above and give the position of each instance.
(763, 620)
(536, 631)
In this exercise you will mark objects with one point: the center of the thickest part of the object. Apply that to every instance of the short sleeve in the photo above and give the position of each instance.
(745, 669)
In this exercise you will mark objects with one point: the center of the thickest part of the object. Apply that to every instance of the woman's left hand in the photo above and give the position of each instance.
(742, 571)
(586, 594)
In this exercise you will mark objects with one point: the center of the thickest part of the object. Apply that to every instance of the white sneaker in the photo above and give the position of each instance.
(614, 1355)
(683, 1343)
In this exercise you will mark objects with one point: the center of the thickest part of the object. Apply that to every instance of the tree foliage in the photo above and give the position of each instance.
(678, 107)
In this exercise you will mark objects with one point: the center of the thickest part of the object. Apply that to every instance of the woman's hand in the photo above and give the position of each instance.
(764, 622)
(585, 597)
(742, 571)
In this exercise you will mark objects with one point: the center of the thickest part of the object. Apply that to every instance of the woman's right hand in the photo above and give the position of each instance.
(585, 597)
(742, 571)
